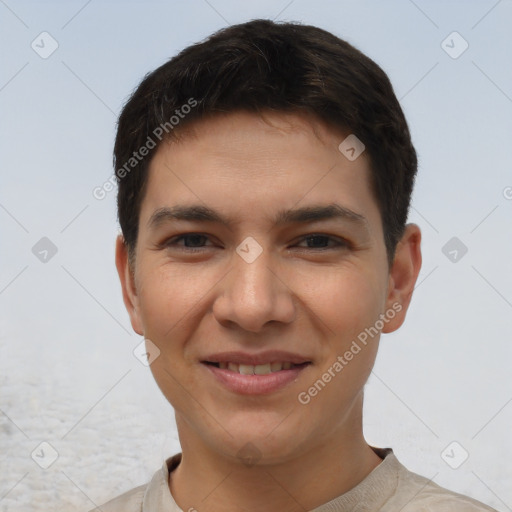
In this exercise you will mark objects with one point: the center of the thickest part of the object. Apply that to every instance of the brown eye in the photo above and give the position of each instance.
(321, 242)
(191, 242)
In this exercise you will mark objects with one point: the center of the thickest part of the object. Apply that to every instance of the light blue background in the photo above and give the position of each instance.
(67, 372)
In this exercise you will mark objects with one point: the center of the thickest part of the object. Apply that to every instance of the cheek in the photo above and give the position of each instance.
(347, 303)
(166, 299)
(170, 307)
(347, 300)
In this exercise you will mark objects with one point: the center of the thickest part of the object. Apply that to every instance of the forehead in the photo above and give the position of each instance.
(261, 163)
(229, 132)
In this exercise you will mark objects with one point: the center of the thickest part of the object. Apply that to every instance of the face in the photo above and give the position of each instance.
(262, 278)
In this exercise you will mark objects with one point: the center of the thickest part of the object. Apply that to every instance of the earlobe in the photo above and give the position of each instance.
(403, 275)
(126, 276)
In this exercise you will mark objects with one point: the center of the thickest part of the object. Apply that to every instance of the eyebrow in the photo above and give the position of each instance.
(307, 214)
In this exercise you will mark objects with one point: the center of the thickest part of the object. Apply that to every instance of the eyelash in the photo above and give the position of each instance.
(340, 242)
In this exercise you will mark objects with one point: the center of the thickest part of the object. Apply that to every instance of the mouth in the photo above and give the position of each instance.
(260, 374)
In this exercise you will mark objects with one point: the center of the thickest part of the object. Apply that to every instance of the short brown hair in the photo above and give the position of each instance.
(261, 65)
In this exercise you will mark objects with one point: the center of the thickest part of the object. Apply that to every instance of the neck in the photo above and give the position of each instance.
(207, 481)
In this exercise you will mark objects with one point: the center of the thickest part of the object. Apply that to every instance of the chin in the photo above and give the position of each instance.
(257, 440)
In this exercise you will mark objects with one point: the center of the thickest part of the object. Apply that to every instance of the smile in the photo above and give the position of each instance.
(259, 378)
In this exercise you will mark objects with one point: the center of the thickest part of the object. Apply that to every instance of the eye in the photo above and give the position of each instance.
(193, 242)
(321, 242)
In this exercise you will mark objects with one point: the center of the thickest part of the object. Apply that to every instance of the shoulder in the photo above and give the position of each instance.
(418, 494)
(130, 501)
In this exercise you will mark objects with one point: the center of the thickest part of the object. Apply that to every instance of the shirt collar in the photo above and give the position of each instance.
(158, 497)
(373, 492)
(370, 494)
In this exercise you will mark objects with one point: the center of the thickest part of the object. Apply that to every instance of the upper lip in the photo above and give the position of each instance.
(269, 356)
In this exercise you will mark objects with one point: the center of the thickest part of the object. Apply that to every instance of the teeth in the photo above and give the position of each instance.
(258, 369)
(262, 369)
(246, 369)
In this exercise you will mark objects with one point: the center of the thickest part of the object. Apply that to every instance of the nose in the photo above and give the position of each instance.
(254, 294)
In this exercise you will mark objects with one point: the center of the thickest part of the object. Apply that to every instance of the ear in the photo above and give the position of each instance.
(126, 276)
(403, 275)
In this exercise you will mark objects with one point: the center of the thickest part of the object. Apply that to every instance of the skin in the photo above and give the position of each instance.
(297, 296)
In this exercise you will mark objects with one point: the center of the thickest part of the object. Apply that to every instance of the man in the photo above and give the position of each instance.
(265, 177)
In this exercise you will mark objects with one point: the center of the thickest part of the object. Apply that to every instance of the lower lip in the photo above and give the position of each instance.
(255, 384)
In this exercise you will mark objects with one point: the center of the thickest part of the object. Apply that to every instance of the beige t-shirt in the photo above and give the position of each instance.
(390, 487)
